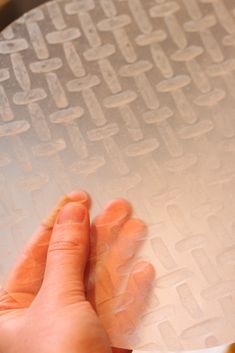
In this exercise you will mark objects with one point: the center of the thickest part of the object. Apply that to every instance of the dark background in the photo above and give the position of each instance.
(13, 9)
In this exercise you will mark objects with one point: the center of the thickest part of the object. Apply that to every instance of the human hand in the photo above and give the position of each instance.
(44, 307)
(49, 312)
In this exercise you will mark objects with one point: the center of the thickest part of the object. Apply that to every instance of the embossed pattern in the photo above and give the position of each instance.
(135, 99)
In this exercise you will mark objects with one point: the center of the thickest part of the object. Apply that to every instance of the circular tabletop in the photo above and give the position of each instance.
(131, 99)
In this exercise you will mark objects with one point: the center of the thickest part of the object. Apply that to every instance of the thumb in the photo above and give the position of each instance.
(67, 255)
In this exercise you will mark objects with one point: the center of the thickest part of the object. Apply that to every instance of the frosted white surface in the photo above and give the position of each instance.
(133, 99)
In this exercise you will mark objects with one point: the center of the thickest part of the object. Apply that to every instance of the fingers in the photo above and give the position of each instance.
(120, 317)
(26, 277)
(107, 225)
(63, 282)
(107, 274)
(124, 237)
(139, 288)
(129, 240)
(104, 231)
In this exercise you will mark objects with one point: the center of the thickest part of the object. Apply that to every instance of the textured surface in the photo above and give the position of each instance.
(133, 99)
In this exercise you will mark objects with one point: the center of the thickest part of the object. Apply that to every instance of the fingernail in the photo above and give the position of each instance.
(117, 210)
(73, 212)
(78, 195)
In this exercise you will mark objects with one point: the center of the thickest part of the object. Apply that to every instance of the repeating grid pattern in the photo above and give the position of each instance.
(135, 99)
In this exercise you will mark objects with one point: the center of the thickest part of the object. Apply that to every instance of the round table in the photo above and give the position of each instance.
(132, 99)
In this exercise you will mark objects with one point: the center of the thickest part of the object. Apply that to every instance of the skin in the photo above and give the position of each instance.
(45, 307)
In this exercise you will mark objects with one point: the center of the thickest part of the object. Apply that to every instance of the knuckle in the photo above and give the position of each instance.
(63, 245)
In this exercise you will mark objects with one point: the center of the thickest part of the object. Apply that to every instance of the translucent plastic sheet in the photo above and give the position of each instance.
(131, 99)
